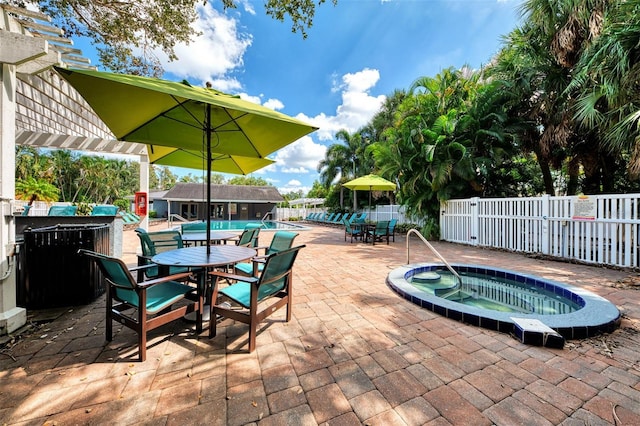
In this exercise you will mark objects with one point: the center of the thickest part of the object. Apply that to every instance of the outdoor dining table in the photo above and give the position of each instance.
(200, 238)
(365, 229)
(197, 257)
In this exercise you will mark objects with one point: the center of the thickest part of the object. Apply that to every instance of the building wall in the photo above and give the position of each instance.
(255, 211)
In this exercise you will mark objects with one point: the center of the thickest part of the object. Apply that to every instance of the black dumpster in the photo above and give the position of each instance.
(51, 272)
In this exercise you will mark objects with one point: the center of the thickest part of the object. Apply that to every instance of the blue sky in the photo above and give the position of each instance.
(355, 54)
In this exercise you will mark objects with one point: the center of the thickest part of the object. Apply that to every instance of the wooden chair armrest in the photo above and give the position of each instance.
(234, 277)
(155, 281)
(141, 267)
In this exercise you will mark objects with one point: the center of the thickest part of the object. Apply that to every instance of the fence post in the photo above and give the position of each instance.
(544, 222)
(474, 226)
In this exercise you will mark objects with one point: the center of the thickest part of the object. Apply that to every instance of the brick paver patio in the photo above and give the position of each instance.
(354, 353)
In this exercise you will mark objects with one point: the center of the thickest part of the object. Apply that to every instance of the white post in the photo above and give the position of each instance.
(144, 187)
(11, 316)
(545, 243)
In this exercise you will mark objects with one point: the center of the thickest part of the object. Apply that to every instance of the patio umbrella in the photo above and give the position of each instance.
(223, 163)
(370, 183)
(165, 113)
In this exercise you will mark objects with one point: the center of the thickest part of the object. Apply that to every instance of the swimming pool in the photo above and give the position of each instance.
(492, 298)
(239, 225)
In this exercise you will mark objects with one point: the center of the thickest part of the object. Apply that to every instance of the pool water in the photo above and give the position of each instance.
(239, 225)
(496, 299)
(495, 293)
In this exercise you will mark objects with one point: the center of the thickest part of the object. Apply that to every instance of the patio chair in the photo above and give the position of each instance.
(25, 212)
(62, 211)
(256, 232)
(380, 232)
(275, 281)
(351, 232)
(104, 210)
(392, 229)
(151, 301)
(152, 243)
(282, 240)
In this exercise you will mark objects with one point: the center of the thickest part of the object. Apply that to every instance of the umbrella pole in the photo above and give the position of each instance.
(208, 132)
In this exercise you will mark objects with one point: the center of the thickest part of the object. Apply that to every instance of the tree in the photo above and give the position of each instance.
(606, 81)
(317, 190)
(33, 189)
(119, 29)
(248, 180)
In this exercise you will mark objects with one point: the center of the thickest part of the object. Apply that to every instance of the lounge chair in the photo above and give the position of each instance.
(351, 232)
(338, 220)
(360, 218)
(142, 306)
(104, 210)
(320, 217)
(130, 218)
(329, 218)
(380, 232)
(275, 281)
(152, 243)
(282, 240)
(62, 211)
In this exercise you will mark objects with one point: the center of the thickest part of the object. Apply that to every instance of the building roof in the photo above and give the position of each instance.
(196, 192)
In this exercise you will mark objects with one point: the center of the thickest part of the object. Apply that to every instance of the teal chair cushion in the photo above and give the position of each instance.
(240, 292)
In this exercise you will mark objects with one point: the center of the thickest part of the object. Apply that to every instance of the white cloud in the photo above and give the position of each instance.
(302, 156)
(274, 104)
(212, 55)
(357, 108)
(250, 98)
(294, 182)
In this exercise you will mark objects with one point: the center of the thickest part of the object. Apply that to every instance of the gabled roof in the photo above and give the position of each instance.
(226, 193)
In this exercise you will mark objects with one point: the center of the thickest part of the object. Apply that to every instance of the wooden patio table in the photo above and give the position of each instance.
(197, 257)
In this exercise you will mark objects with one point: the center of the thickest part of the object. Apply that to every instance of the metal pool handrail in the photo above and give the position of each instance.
(424, 240)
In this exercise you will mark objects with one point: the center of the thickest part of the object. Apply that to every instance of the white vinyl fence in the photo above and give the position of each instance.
(382, 212)
(599, 229)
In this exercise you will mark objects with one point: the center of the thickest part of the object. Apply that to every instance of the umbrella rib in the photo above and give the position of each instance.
(239, 129)
(163, 114)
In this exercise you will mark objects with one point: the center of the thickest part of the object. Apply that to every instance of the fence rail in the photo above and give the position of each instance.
(599, 229)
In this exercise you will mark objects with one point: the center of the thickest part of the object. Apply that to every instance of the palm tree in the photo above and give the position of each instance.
(606, 79)
(33, 189)
(346, 160)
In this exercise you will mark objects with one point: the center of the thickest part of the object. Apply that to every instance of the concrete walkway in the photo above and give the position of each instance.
(354, 353)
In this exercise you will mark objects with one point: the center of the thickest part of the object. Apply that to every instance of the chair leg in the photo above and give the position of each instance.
(142, 326)
(108, 320)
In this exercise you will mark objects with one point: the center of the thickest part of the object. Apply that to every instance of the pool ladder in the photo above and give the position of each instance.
(424, 240)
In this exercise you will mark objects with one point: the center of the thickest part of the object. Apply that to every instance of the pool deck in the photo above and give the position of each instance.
(354, 353)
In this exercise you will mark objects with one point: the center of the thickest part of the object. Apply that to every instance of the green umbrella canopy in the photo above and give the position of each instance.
(370, 183)
(167, 113)
(162, 113)
(223, 163)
